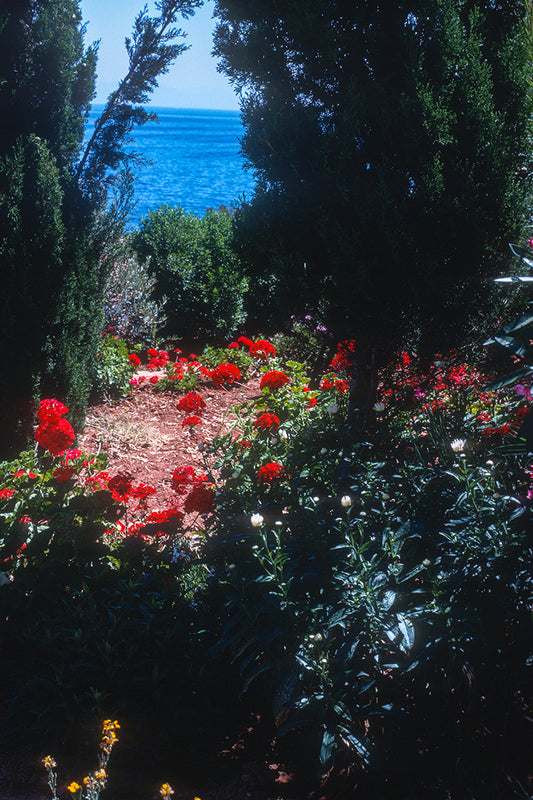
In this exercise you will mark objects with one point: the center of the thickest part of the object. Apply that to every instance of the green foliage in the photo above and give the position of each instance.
(55, 231)
(196, 268)
(380, 585)
(212, 356)
(373, 139)
(113, 370)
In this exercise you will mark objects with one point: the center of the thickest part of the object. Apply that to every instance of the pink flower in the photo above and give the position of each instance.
(523, 391)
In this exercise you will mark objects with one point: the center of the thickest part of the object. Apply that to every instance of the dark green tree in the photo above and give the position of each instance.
(391, 147)
(63, 200)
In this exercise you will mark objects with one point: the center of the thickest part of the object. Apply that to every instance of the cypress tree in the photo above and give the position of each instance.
(391, 146)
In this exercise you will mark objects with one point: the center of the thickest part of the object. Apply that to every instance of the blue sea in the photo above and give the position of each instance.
(194, 160)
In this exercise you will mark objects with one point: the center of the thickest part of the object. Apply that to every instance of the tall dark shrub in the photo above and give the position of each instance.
(391, 150)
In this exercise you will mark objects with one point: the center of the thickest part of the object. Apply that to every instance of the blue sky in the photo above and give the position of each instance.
(192, 82)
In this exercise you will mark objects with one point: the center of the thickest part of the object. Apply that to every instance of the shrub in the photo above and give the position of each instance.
(197, 268)
(129, 308)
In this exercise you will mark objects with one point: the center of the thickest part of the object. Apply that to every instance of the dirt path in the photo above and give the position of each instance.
(144, 437)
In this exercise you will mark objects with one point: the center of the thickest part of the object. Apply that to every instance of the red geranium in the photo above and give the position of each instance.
(55, 435)
(51, 410)
(134, 360)
(194, 419)
(273, 380)
(201, 499)
(271, 473)
(267, 422)
(167, 515)
(6, 493)
(225, 374)
(191, 402)
(262, 349)
(245, 341)
(62, 474)
(182, 477)
(120, 487)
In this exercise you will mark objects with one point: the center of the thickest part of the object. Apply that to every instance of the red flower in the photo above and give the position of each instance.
(134, 360)
(62, 474)
(233, 346)
(267, 422)
(6, 493)
(191, 402)
(225, 374)
(142, 491)
(181, 477)
(273, 380)
(194, 419)
(51, 410)
(262, 349)
(245, 342)
(120, 487)
(99, 481)
(152, 353)
(154, 379)
(271, 473)
(201, 499)
(55, 435)
(167, 515)
(71, 455)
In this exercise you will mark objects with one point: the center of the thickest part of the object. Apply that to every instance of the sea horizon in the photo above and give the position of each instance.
(193, 160)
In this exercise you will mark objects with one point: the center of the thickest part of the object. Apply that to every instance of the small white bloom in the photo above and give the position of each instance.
(458, 445)
(346, 501)
(379, 406)
(490, 463)
(332, 408)
(278, 523)
(256, 520)
(282, 434)
(323, 451)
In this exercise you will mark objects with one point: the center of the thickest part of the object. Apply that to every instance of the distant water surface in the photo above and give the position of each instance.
(195, 160)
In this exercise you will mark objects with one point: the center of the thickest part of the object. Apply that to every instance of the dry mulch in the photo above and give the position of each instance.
(144, 437)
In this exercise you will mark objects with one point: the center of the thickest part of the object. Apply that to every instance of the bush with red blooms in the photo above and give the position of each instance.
(273, 380)
(191, 402)
(267, 422)
(225, 374)
(262, 349)
(53, 433)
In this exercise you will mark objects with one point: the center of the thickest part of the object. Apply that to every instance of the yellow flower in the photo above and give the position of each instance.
(73, 787)
(49, 762)
(100, 776)
(166, 790)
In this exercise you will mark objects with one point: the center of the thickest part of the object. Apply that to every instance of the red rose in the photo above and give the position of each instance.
(273, 380)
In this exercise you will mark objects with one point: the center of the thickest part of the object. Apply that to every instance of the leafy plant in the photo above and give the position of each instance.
(112, 369)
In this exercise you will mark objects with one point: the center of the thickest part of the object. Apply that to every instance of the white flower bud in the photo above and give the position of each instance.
(458, 445)
(256, 520)
(346, 501)
(379, 407)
